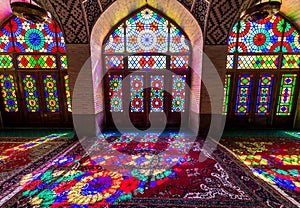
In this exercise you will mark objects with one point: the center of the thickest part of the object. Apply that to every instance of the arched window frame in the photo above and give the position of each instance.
(185, 70)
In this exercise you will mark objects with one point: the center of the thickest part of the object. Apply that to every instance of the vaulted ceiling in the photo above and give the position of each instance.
(215, 17)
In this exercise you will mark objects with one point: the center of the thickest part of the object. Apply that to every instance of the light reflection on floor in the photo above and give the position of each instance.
(105, 177)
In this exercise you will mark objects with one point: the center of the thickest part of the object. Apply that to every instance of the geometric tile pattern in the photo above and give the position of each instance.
(258, 62)
(200, 11)
(72, 20)
(6, 61)
(221, 16)
(36, 61)
(187, 3)
(92, 11)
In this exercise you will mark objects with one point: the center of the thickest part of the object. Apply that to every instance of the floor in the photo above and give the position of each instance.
(48, 168)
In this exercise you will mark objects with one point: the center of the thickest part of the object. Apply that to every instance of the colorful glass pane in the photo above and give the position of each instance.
(230, 62)
(115, 42)
(291, 40)
(291, 61)
(179, 62)
(31, 93)
(36, 61)
(33, 37)
(60, 40)
(114, 62)
(243, 94)
(262, 36)
(115, 93)
(264, 94)
(51, 93)
(178, 93)
(287, 88)
(147, 62)
(157, 93)
(68, 93)
(232, 40)
(178, 42)
(137, 93)
(9, 92)
(146, 31)
(63, 62)
(6, 43)
(258, 62)
(6, 61)
(226, 93)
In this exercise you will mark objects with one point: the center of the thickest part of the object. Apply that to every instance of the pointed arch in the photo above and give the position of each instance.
(172, 9)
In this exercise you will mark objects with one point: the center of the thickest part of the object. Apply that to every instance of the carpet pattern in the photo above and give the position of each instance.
(275, 160)
(157, 171)
(20, 156)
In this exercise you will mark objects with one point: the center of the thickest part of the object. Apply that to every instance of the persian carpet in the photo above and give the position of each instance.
(273, 159)
(157, 171)
(20, 156)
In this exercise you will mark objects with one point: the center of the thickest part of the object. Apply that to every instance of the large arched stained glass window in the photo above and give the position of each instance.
(262, 68)
(145, 41)
(33, 64)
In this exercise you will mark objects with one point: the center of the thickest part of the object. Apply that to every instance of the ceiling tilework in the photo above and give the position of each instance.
(221, 16)
(92, 11)
(106, 3)
(187, 3)
(72, 20)
(200, 12)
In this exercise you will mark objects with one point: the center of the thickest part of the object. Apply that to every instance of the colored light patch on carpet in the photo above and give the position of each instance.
(142, 179)
(276, 161)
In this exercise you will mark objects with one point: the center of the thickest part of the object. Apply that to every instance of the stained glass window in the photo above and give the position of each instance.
(6, 43)
(291, 61)
(137, 93)
(258, 62)
(114, 62)
(33, 37)
(51, 94)
(291, 41)
(36, 61)
(115, 93)
(68, 93)
(8, 90)
(287, 88)
(179, 62)
(243, 94)
(262, 36)
(226, 93)
(20, 38)
(6, 61)
(147, 31)
(63, 62)
(178, 93)
(270, 44)
(157, 93)
(264, 94)
(145, 41)
(115, 42)
(31, 93)
(230, 62)
(147, 62)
